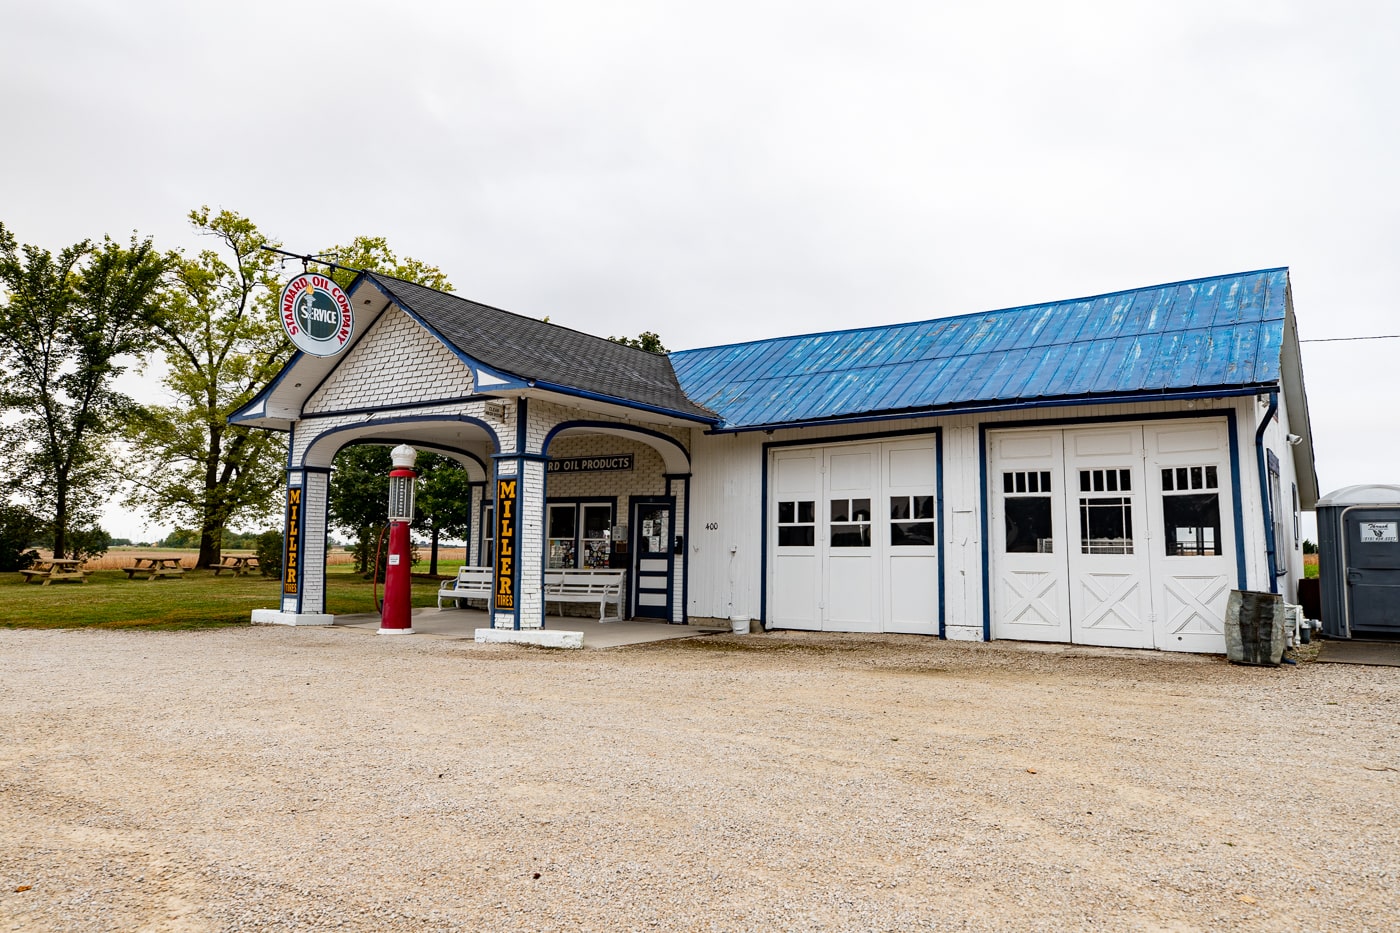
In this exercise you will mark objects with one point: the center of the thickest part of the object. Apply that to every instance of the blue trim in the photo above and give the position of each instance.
(671, 476)
(1264, 498)
(936, 431)
(986, 548)
(418, 419)
(301, 546)
(1065, 402)
(685, 552)
(522, 425)
(1227, 413)
(307, 469)
(617, 426)
(519, 478)
(625, 403)
(938, 493)
(483, 537)
(532, 458)
(1241, 577)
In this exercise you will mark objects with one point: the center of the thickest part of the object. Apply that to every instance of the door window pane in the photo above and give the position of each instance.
(1028, 525)
(903, 531)
(1106, 525)
(1029, 528)
(797, 523)
(1192, 524)
(1191, 511)
(850, 523)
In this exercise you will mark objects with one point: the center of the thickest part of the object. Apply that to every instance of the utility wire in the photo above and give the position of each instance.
(1338, 339)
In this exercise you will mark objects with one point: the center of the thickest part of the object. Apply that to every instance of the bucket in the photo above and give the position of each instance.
(739, 625)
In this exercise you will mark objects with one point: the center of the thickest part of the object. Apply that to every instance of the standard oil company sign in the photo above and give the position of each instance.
(316, 314)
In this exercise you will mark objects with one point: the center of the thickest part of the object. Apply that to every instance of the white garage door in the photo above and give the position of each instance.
(853, 538)
(1118, 536)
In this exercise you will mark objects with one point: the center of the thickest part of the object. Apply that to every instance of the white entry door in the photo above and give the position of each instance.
(908, 536)
(794, 559)
(853, 537)
(1030, 589)
(1109, 602)
(851, 592)
(1193, 557)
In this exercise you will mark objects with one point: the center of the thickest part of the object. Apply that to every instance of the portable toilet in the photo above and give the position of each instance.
(1358, 530)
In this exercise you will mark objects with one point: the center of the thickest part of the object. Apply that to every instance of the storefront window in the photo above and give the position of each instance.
(563, 534)
(585, 543)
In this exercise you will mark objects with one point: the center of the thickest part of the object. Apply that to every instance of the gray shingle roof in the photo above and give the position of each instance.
(533, 350)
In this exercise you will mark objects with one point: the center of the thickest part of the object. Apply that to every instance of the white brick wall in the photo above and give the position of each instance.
(313, 543)
(396, 362)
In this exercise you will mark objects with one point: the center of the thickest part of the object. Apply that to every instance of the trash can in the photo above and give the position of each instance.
(1254, 628)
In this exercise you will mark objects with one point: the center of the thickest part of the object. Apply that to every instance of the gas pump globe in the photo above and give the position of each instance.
(397, 616)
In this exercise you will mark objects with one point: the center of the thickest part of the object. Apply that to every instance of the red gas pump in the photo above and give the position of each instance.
(397, 616)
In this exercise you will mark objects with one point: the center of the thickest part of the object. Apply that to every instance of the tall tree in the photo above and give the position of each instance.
(68, 324)
(358, 499)
(444, 502)
(647, 340)
(373, 253)
(222, 342)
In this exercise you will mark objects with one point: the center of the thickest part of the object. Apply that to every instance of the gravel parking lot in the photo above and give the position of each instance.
(270, 778)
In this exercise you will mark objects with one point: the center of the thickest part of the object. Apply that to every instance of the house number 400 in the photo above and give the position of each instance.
(712, 526)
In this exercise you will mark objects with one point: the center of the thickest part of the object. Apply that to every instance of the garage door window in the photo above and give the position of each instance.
(1027, 506)
(1105, 522)
(911, 520)
(850, 523)
(1191, 511)
(797, 523)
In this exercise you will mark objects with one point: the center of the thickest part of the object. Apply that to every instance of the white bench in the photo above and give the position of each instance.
(470, 583)
(586, 586)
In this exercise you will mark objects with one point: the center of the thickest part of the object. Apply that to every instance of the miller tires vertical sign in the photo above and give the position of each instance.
(506, 527)
(291, 559)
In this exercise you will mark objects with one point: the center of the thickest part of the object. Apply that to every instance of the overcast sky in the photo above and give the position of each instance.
(719, 171)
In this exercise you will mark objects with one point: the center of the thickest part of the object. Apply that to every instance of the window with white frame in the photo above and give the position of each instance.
(579, 534)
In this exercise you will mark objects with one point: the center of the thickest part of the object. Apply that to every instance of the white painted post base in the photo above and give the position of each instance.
(544, 638)
(396, 631)
(278, 617)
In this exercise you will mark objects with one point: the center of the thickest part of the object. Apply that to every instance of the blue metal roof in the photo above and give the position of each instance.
(1223, 332)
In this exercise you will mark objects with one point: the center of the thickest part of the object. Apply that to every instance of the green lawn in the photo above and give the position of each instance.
(197, 600)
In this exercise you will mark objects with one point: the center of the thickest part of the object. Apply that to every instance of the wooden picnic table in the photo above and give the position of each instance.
(56, 570)
(240, 564)
(155, 567)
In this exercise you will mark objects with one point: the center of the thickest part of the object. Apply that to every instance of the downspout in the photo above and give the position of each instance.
(1264, 490)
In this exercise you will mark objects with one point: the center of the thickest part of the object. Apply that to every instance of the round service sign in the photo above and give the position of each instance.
(316, 314)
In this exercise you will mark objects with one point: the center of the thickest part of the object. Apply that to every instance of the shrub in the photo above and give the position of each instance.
(18, 530)
(88, 542)
(269, 548)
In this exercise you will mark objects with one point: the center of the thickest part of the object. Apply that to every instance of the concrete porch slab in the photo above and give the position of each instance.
(463, 623)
